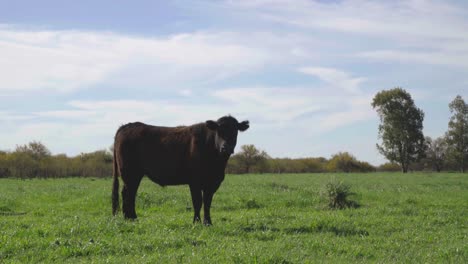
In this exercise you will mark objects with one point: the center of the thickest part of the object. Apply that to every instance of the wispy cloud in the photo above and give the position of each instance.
(356, 109)
(429, 31)
(408, 18)
(186, 92)
(7, 116)
(69, 60)
(300, 107)
(335, 78)
(449, 58)
(269, 104)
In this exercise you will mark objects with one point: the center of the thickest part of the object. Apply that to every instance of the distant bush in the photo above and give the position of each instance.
(346, 162)
(389, 167)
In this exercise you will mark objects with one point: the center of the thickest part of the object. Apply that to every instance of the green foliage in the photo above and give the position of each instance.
(415, 218)
(337, 194)
(400, 128)
(457, 134)
(436, 152)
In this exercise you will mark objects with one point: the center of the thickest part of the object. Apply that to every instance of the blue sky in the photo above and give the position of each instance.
(303, 72)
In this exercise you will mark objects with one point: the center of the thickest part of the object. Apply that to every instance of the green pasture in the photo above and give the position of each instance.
(412, 218)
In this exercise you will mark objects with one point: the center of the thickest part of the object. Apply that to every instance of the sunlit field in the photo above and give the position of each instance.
(413, 218)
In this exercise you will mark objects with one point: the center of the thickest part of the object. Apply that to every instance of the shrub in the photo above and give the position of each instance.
(337, 194)
(346, 162)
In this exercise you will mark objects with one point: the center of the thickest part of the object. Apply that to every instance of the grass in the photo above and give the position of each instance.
(257, 219)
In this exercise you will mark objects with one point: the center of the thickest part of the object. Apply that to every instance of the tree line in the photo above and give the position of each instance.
(34, 160)
(252, 160)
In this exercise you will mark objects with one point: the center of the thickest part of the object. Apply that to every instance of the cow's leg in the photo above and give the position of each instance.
(207, 198)
(129, 195)
(208, 192)
(196, 193)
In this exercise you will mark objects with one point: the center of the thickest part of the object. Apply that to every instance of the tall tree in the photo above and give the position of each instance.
(436, 151)
(251, 156)
(457, 134)
(401, 125)
(35, 149)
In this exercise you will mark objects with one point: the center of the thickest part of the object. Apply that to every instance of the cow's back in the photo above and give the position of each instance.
(161, 153)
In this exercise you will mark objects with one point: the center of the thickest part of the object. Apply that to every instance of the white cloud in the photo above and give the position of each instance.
(70, 60)
(356, 109)
(7, 116)
(384, 18)
(186, 92)
(335, 78)
(448, 58)
(278, 105)
(310, 109)
(430, 31)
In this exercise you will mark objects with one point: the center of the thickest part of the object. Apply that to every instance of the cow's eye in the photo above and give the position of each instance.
(222, 131)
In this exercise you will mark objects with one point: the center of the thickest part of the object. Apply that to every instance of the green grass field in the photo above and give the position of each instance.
(413, 218)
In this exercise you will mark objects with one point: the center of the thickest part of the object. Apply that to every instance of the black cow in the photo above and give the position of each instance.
(195, 155)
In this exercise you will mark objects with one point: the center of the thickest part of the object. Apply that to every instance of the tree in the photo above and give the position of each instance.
(436, 151)
(400, 129)
(250, 156)
(457, 134)
(35, 149)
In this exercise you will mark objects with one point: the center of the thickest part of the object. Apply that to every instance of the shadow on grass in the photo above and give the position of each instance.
(7, 211)
(259, 228)
(12, 213)
(344, 230)
(279, 187)
(321, 228)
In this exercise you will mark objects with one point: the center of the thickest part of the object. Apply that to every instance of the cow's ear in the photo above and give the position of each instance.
(211, 125)
(243, 126)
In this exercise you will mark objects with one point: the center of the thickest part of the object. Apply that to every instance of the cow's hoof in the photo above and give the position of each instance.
(207, 223)
(130, 217)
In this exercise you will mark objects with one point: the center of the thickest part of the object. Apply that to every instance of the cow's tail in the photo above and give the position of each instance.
(115, 186)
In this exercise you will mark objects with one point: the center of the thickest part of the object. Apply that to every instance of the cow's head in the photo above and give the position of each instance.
(226, 129)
